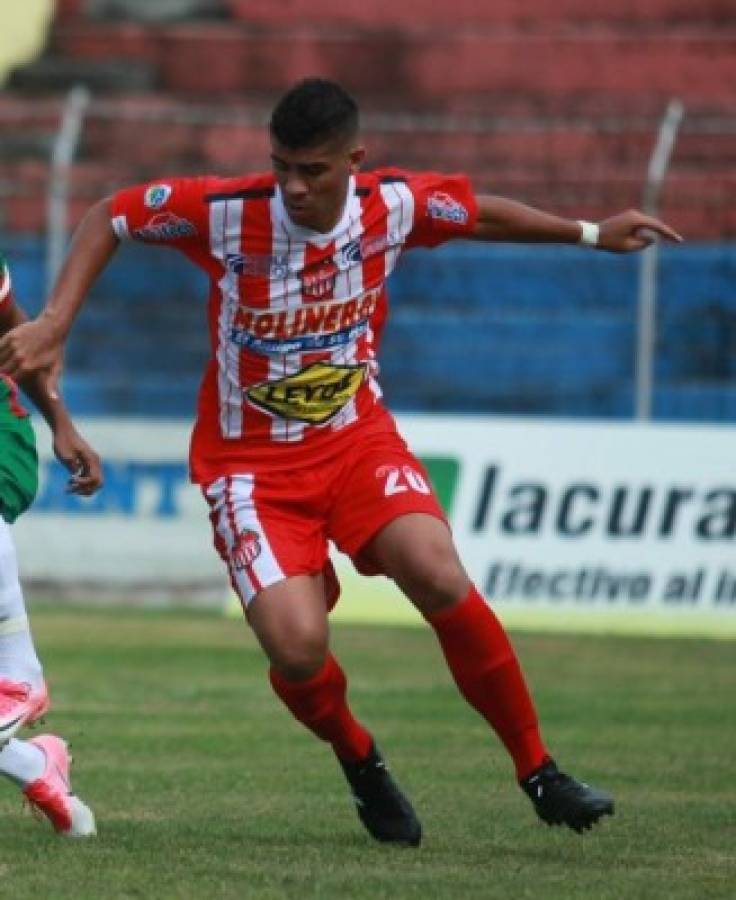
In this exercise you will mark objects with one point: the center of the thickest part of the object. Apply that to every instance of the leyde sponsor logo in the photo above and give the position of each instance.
(156, 195)
(314, 395)
(246, 550)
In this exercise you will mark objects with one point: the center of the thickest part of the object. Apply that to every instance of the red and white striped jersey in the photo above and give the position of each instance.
(295, 315)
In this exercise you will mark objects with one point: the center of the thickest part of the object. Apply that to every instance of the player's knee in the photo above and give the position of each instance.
(302, 659)
(437, 580)
(443, 586)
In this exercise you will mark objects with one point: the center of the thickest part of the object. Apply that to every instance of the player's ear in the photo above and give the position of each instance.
(357, 156)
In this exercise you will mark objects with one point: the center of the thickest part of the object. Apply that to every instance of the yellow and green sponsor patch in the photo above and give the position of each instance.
(314, 395)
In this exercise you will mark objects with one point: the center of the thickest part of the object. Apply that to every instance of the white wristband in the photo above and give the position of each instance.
(589, 232)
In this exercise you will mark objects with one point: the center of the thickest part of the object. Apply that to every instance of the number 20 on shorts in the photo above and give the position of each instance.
(399, 480)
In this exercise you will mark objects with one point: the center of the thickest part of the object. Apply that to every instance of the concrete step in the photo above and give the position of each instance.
(61, 73)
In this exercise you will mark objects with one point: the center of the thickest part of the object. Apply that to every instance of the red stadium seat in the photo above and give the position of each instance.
(556, 113)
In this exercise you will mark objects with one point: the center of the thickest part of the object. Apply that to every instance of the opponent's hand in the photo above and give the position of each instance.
(79, 458)
(632, 230)
(29, 348)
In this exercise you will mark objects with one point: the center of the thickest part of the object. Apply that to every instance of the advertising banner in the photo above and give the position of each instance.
(556, 520)
(147, 527)
(576, 518)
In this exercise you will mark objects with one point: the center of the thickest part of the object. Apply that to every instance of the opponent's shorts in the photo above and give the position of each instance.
(18, 459)
(273, 525)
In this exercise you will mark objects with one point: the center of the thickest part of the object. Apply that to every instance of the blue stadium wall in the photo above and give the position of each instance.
(472, 328)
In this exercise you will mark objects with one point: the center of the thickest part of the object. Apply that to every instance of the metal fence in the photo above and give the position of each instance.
(57, 156)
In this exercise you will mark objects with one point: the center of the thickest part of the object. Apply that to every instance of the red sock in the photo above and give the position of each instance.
(320, 704)
(486, 670)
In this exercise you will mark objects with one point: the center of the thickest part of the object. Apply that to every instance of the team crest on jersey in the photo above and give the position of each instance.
(157, 195)
(247, 548)
(165, 227)
(319, 281)
(443, 206)
(313, 395)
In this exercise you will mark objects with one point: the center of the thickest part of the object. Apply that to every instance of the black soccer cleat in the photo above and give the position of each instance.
(561, 800)
(382, 807)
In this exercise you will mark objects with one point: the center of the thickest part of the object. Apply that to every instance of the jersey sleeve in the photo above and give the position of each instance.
(444, 208)
(170, 211)
(6, 287)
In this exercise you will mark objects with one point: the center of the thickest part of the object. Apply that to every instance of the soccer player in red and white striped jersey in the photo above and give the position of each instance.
(295, 313)
(292, 445)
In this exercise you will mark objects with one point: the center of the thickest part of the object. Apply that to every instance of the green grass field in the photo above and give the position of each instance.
(205, 788)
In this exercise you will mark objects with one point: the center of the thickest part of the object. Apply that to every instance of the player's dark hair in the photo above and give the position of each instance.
(312, 112)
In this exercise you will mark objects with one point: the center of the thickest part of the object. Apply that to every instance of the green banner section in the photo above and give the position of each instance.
(444, 473)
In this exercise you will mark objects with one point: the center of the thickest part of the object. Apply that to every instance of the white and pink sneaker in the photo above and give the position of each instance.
(20, 705)
(52, 792)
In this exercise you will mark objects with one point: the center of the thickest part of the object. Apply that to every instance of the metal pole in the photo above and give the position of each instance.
(62, 157)
(647, 304)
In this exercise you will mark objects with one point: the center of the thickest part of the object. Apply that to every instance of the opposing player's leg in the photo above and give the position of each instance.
(288, 614)
(40, 767)
(23, 694)
(390, 522)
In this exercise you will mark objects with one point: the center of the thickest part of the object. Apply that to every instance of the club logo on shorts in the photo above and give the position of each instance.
(247, 548)
(314, 395)
(157, 195)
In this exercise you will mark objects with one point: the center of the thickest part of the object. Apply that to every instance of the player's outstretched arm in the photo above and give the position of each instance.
(501, 219)
(35, 346)
(70, 447)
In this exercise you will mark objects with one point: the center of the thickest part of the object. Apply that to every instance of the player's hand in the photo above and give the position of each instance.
(632, 230)
(29, 348)
(79, 458)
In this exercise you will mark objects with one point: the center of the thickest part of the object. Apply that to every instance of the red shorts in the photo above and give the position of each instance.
(270, 525)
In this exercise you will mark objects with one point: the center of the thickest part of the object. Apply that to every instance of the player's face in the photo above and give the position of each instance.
(314, 180)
